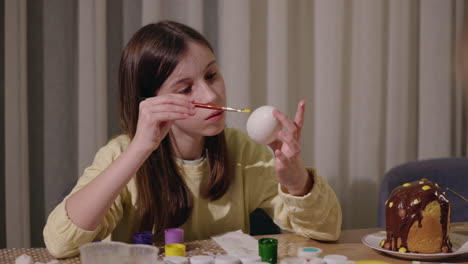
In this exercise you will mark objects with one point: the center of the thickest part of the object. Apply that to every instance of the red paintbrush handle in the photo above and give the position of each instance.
(208, 106)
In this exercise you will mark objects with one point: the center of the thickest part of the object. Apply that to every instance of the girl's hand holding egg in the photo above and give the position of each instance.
(268, 125)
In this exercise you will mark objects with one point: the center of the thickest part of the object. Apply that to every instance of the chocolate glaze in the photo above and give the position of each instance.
(404, 212)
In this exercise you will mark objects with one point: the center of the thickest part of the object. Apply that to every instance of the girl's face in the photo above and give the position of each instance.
(197, 76)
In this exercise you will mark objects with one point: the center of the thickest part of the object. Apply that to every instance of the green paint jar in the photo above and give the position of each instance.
(268, 250)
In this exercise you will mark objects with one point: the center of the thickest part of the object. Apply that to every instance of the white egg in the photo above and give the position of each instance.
(262, 126)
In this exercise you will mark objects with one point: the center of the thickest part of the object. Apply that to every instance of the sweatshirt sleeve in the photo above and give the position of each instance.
(61, 236)
(316, 215)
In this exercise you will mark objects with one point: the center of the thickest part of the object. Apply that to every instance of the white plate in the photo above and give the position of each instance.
(459, 247)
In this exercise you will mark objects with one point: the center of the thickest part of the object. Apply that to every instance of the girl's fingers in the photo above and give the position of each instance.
(275, 144)
(285, 122)
(280, 156)
(177, 99)
(169, 108)
(299, 118)
(286, 136)
(169, 116)
(290, 126)
(293, 148)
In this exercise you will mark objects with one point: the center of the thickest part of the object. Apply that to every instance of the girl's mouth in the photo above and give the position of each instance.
(215, 115)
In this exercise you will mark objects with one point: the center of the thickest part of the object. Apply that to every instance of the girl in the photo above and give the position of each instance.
(178, 166)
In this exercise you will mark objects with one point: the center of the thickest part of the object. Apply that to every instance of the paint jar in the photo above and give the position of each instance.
(371, 262)
(174, 250)
(336, 259)
(117, 253)
(309, 252)
(145, 238)
(250, 259)
(226, 259)
(201, 260)
(176, 260)
(174, 236)
(268, 250)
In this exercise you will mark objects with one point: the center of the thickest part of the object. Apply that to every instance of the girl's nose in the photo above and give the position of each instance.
(208, 92)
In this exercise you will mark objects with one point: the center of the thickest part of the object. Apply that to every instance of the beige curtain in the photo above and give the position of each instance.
(378, 76)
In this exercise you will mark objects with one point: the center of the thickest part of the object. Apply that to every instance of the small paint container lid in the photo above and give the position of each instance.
(268, 250)
(336, 259)
(315, 260)
(250, 259)
(177, 259)
(202, 260)
(226, 259)
(309, 252)
(372, 262)
(298, 260)
(174, 250)
(145, 237)
(293, 260)
(174, 236)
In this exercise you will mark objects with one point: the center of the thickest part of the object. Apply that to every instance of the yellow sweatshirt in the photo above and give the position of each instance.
(316, 215)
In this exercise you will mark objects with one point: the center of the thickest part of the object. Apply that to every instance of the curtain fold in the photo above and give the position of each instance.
(234, 55)
(402, 80)
(435, 79)
(16, 126)
(380, 79)
(91, 80)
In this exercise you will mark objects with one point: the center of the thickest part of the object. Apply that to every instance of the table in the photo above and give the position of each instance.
(349, 244)
(199, 247)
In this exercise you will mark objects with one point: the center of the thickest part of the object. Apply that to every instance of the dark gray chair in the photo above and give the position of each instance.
(446, 172)
(262, 224)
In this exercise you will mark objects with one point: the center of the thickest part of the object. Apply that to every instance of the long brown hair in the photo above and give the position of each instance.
(164, 200)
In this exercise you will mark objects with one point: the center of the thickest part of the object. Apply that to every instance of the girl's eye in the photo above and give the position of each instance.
(211, 76)
(186, 90)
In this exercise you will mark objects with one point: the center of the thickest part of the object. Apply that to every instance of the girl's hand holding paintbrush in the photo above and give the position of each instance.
(157, 114)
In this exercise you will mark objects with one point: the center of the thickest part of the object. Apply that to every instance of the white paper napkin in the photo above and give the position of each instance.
(237, 243)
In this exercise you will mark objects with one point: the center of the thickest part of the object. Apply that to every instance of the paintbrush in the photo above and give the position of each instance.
(224, 108)
(457, 194)
(214, 107)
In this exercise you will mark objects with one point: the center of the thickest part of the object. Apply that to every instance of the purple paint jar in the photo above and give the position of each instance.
(174, 236)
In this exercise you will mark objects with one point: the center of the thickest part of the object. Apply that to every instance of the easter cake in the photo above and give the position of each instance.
(417, 219)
